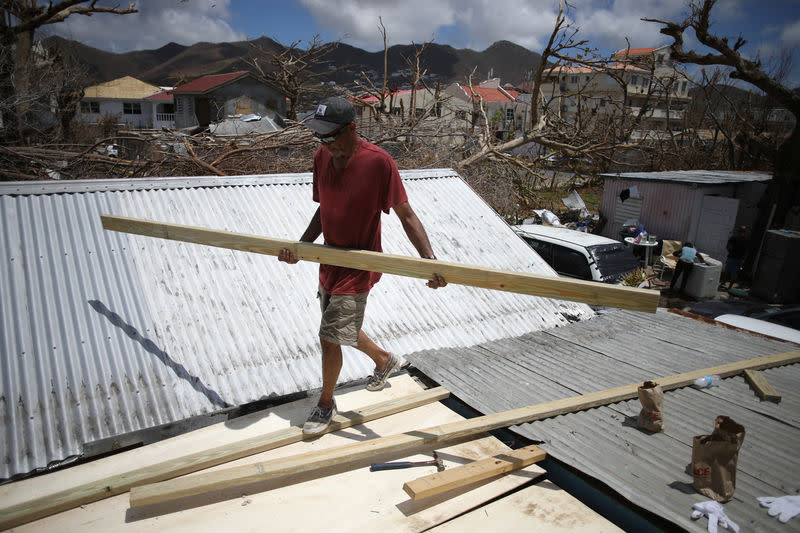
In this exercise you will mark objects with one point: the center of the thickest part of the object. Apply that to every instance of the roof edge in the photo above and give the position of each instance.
(30, 188)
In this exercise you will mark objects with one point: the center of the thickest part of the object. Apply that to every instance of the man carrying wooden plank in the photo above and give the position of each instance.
(353, 182)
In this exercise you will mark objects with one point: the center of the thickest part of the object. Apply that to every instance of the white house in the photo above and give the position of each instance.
(134, 103)
(634, 79)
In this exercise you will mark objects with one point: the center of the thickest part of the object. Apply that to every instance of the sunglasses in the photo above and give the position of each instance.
(331, 137)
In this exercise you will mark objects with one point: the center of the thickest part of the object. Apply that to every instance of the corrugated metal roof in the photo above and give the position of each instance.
(206, 83)
(163, 95)
(106, 333)
(706, 177)
(620, 348)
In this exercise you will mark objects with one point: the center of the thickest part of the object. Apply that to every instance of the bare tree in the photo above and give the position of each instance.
(295, 70)
(783, 190)
(20, 21)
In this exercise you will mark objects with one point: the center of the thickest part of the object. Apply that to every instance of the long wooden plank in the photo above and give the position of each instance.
(475, 276)
(48, 504)
(361, 453)
(762, 387)
(461, 476)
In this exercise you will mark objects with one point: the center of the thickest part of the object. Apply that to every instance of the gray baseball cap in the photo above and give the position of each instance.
(330, 114)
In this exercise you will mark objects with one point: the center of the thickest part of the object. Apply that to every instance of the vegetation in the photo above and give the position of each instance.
(726, 128)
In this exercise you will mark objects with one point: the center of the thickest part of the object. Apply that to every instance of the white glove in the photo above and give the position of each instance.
(716, 516)
(786, 506)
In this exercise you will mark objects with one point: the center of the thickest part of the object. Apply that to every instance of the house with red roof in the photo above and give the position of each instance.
(635, 80)
(214, 97)
(506, 110)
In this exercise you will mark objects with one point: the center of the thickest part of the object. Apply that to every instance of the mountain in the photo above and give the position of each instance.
(173, 62)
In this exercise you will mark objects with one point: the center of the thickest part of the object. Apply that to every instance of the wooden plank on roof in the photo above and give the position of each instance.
(392, 446)
(475, 276)
(41, 505)
(467, 474)
(762, 387)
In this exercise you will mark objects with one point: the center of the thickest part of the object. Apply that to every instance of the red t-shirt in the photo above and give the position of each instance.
(351, 200)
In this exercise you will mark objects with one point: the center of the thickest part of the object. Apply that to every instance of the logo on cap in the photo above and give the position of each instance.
(321, 110)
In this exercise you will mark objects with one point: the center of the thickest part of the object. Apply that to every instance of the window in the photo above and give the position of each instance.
(573, 79)
(131, 108)
(634, 80)
(544, 249)
(461, 114)
(90, 107)
(683, 87)
(571, 263)
(509, 114)
(602, 102)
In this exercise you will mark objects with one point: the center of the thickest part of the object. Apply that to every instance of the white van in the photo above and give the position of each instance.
(579, 255)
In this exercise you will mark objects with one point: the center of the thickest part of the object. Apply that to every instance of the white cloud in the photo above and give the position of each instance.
(477, 24)
(157, 23)
(356, 21)
(791, 34)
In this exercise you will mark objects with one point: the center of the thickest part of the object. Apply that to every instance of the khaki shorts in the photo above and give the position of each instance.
(342, 317)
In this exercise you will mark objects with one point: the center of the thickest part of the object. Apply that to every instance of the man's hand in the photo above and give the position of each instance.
(436, 282)
(287, 256)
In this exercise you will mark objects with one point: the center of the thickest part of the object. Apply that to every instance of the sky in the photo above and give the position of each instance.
(769, 26)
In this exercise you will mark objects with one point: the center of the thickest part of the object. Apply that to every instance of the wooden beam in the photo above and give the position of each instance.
(588, 292)
(762, 387)
(48, 504)
(395, 446)
(461, 476)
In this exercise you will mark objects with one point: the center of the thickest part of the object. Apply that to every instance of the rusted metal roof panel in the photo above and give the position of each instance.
(620, 348)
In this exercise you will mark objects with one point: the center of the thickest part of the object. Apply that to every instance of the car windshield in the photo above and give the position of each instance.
(613, 260)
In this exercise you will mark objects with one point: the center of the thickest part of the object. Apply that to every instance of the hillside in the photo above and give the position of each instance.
(173, 62)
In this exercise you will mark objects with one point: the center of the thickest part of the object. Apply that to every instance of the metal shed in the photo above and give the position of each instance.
(105, 334)
(701, 206)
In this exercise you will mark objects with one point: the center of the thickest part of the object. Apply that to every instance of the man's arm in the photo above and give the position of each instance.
(419, 238)
(311, 233)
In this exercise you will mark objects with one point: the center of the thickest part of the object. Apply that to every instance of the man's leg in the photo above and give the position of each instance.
(676, 274)
(331, 367)
(687, 271)
(378, 355)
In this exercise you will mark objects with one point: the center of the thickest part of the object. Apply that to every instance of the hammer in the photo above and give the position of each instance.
(437, 462)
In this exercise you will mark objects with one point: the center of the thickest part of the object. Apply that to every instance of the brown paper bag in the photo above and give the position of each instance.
(652, 398)
(714, 459)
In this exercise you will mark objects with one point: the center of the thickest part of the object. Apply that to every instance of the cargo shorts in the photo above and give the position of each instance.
(342, 316)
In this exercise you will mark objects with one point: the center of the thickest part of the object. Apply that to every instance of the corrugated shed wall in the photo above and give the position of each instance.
(106, 333)
(666, 208)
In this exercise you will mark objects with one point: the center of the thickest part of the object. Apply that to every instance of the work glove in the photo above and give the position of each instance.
(716, 516)
(785, 507)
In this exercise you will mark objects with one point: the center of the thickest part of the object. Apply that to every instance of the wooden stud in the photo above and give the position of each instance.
(49, 504)
(395, 446)
(461, 476)
(762, 387)
(588, 292)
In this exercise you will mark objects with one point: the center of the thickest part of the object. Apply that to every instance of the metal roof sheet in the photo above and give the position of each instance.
(206, 83)
(107, 333)
(705, 177)
(620, 348)
(563, 234)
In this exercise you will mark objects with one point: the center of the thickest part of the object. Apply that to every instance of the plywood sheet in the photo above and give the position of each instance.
(542, 507)
(345, 501)
(196, 441)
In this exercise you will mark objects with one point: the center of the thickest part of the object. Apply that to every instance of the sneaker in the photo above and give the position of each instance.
(319, 419)
(378, 379)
